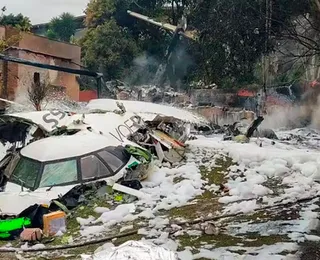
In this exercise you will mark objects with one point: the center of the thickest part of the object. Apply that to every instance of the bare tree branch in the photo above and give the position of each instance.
(37, 93)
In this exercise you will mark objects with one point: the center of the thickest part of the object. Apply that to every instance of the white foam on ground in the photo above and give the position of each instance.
(168, 188)
(260, 253)
(299, 169)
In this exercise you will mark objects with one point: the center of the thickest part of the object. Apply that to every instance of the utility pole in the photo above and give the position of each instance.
(265, 57)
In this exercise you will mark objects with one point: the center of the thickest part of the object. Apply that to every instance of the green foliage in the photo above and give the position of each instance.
(114, 39)
(232, 36)
(108, 48)
(18, 21)
(99, 11)
(62, 27)
(231, 40)
(51, 34)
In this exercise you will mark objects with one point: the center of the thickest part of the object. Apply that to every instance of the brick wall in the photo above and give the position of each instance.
(40, 49)
(214, 97)
(87, 95)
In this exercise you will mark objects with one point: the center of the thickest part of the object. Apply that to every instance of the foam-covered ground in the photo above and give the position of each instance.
(260, 176)
(273, 186)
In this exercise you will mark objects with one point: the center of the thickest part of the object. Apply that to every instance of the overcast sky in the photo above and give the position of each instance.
(41, 11)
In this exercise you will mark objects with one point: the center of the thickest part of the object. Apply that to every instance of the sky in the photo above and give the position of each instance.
(41, 11)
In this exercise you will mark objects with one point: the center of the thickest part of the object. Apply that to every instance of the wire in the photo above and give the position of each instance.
(134, 232)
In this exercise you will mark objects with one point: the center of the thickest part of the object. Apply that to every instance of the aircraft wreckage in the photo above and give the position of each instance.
(52, 154)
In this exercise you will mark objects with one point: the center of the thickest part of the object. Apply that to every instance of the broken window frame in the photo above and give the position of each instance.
(79, 180)
(18, 181)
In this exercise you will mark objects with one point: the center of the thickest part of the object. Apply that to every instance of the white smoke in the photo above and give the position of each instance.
(306, 114)
(143, 70)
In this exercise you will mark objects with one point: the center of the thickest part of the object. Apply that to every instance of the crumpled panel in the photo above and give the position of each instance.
(136, 250)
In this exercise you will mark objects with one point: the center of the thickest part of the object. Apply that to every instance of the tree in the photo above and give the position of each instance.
(109, 49)
(62, 27)
(234, 35)
(18, 21)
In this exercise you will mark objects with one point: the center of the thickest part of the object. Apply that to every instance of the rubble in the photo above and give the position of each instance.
(83, 139)
(31, 235)
(165, 204)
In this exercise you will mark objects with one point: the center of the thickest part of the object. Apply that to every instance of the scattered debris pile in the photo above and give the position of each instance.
(56, 158)
(232, 132)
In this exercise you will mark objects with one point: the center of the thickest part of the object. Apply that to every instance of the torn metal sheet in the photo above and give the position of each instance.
(33, 125)
(47, 120)
(135, 250)
(39, 175)
(145, 109)
(133, 192)
(173, 150)
(167, 26)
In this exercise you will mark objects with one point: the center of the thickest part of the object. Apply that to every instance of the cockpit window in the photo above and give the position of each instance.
(12, 165)
(115, 157)
(92, 167)
(55, 174)
(26, 173)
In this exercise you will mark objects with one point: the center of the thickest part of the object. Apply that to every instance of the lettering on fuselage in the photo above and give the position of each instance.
(125, 129)
(53, 117)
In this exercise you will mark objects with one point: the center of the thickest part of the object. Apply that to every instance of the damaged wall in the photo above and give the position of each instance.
(217, 115)
(214, 97)
(17, 78)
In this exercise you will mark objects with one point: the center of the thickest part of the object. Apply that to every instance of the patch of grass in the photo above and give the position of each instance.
(257, 240)
(83, 250)
(221, 240)
(254, 218)
(207, 195)
(122, 240)
(178, 179)
(269, 215)
(275, 184)
(207, 202)
(225, 240)
(201, 208)
(13, 243)
(8, 256)
(216, 175)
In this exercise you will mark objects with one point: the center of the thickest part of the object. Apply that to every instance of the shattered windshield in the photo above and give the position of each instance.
(55, 174)
(26, 173)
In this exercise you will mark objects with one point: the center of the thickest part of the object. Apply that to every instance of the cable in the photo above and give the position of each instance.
(92, 242)
(134, 232)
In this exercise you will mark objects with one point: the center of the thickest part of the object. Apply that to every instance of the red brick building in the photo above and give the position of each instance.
(15, 79)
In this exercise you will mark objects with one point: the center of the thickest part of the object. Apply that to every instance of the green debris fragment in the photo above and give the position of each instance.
(139, 153)
(66, 239)
(118, 198)
(10, 225)
(61, 206)
(133, 165)
(241, 139)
